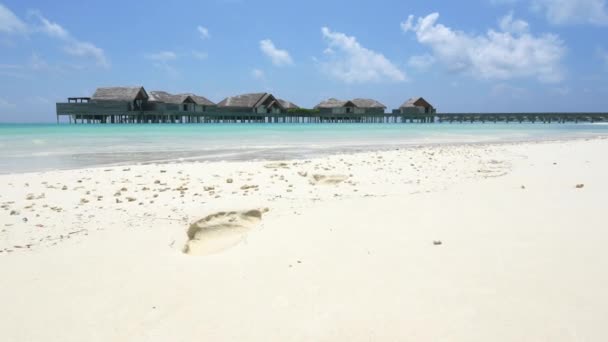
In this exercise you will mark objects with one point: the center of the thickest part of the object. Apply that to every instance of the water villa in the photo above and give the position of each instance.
(136, 105)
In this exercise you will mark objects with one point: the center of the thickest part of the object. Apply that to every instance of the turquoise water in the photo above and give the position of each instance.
(38, 147)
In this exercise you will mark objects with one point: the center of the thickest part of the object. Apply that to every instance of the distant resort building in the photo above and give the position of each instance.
(416, 105)
(136, 105)
(164, 101)
(260, 103)
(355, 106)
(117, 98)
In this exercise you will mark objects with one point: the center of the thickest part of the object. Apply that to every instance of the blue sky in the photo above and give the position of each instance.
(477, 55)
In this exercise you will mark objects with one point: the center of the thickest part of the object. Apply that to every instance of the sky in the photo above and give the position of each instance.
(462, 56)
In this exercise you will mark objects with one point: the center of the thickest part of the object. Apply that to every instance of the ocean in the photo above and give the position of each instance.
(41, 147)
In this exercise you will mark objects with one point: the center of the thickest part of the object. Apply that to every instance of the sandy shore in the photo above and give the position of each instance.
(441, 243)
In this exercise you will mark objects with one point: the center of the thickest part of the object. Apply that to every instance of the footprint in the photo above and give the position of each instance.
(220, 231)
(328, 179)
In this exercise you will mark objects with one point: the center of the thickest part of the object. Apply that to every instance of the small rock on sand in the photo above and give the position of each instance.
(580, 186)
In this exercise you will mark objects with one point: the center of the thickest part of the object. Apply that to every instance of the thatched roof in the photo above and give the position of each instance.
(330, 103)
(119, 93)
(288, 105)
(242, 101)
(163, 96)
(359, 103)
(252, 100)
(200, 100)
(416, 102)
(368, 103)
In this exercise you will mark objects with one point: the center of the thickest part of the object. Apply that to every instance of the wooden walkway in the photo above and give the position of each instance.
(522, 117)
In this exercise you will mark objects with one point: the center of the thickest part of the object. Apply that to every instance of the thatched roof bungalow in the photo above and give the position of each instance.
(199, 100)
(254, 102)
(355, 106)
(134, 97)
(120, 94)
(164, 101)
(416, 105)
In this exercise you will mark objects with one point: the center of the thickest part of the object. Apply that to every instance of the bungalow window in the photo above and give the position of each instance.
(185, 107)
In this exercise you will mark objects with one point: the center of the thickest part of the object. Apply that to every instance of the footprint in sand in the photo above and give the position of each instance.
(328, 179)
(220, 231)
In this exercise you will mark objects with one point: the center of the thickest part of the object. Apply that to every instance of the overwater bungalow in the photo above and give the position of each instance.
(260, 103)
(135, 105)
(416, 105)
(204, 103)
(164, 101)
(108, 104)
(355, 106)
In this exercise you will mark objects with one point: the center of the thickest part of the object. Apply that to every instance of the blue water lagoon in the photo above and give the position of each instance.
(39, 147)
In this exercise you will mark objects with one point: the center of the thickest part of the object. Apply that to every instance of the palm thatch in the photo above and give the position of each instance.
(416, 102)
(288, 105)
(165, 97)
(359, 103)
(199, 100)
(120, 94)
(367, 103)
(330, 103)
(242, 101)
(250, 101)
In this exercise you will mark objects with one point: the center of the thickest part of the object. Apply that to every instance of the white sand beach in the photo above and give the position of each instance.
(433, 243)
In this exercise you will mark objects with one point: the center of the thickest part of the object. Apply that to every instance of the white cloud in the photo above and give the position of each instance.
(162, 56)
(50, 28)
(200, 55)
(508, 24)
(350, 62)
(258, 74)
(203, 32)
(162, 61)
(9, 22)
(86, 49)
(72, 45)
(494, 55)
(277, 56)
(422, 62)
(559, 12)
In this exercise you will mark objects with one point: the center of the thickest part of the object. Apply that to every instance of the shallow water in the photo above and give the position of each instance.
(39, 147)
